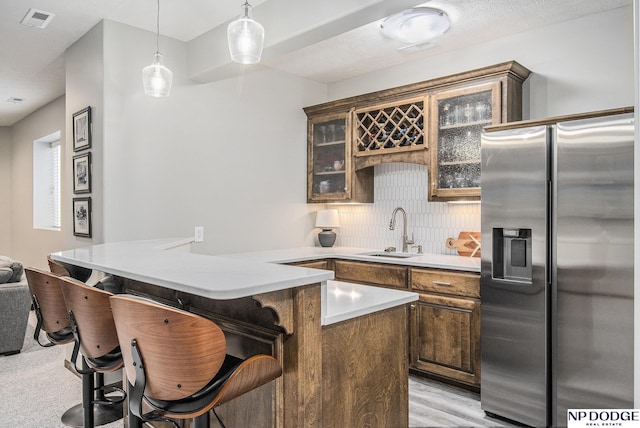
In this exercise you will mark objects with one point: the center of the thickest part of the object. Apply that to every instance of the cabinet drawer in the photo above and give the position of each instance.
(315, 264)
(459, 284)
(371, 273)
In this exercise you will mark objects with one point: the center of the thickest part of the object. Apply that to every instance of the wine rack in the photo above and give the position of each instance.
(390, 128)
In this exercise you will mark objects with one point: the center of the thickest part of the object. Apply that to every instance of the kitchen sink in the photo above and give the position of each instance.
(389, 254)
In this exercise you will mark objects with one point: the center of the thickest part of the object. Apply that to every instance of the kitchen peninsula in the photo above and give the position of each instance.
(343, 347)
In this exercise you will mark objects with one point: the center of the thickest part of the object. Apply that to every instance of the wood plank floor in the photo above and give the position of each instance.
(434, 404)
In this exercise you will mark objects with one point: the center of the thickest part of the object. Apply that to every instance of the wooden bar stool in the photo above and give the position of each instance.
(95, 335)
(49, 307)
(64, 269)
(108, 283)
(176, 362)
(52, 319)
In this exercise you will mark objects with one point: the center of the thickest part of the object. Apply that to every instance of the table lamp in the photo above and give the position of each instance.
(327, 220)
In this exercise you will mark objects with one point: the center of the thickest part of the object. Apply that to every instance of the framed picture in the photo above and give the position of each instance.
(82, 217)
(82, 129)
(82, 173)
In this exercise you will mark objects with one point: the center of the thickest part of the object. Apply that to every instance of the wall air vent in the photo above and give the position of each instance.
(37, 18)
(15, 100)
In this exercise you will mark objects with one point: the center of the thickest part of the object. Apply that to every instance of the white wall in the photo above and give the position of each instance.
(28, 245)
(5, 194)
(578, 66)
(230, 155)
(84, 87)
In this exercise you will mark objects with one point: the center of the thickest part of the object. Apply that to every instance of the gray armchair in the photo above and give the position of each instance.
(15, 303)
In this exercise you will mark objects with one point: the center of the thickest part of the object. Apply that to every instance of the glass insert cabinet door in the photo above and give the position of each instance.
(457, 122)
(329, 152)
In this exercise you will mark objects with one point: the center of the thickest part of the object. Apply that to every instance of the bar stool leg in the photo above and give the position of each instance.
(99, 387)
(90, 413)
(87, 395)
(201, 421)
(134, 421)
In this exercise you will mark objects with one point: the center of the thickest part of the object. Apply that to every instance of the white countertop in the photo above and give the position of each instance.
(168, 263)
(214, 277)
(428, 260)
(345, 300)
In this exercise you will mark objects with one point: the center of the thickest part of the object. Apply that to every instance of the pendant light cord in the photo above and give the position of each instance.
(156, 78)
(158, 29)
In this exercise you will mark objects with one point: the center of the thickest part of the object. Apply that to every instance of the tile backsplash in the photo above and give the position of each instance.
(404, 185)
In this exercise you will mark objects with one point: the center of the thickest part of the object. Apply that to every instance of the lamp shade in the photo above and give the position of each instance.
(245, 37)
(327, 219)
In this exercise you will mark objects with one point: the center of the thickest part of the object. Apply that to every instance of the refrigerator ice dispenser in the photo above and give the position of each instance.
(512, 254)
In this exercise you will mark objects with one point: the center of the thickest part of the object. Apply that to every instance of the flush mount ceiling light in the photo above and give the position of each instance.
(156, 78)
(416, 25)
(245, 37)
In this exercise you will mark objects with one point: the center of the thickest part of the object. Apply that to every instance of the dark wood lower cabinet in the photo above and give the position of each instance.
(445, 338)
(365, 371)
(444, 324)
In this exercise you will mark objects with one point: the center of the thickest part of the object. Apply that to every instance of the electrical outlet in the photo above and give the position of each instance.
(199, 234)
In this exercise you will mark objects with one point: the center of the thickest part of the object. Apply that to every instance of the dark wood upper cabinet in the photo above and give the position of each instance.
(436, 122)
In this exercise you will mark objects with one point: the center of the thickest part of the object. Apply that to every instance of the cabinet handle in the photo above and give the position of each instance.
(412, 306)
(442, 283)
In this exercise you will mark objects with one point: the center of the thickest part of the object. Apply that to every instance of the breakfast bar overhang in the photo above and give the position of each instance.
(343, 347)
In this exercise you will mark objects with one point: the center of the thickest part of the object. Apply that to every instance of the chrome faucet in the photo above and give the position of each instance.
(392, 225)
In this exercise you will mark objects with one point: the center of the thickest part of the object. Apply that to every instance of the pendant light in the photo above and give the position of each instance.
(156, 78)
(245, 37)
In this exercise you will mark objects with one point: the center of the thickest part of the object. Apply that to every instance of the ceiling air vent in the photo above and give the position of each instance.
(37, 18)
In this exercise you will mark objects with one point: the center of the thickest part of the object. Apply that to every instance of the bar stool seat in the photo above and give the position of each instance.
(176, 362)
(207, 394)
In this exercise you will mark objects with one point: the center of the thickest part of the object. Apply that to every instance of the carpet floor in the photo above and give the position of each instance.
(36, 388)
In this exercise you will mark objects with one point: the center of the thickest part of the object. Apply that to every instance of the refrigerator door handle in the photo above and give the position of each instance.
(550, 231)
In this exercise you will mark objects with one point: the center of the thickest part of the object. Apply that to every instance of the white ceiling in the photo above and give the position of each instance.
(32, 65)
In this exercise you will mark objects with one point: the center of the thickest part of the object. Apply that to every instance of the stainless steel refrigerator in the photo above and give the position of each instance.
(557, 269)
